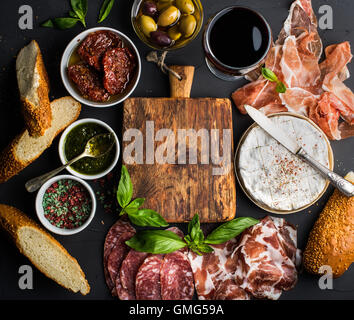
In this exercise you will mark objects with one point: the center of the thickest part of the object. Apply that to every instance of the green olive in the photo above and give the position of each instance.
(147, 24)
(186, 6)
(169, 16)
(174, 33)
(187, 25)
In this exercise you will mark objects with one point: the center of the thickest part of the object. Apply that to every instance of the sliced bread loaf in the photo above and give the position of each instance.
(45, 253)
(33, 85)
(24, 149)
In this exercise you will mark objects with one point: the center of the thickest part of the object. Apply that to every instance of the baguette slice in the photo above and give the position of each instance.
(24, 149)
(33, 85)
(45, 253)
(331, 241)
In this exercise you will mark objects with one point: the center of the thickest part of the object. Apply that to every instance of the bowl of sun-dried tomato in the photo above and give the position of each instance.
(100, 67)
(65, 204)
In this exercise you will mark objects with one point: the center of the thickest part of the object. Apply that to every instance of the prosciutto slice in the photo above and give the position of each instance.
(314, 89)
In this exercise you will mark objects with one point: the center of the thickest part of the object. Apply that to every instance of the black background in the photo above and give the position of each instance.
(87, 246)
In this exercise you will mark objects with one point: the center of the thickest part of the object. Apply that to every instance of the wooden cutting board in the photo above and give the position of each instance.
(178, 191)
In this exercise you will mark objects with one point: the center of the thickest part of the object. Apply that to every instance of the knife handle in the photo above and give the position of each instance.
(339, 182)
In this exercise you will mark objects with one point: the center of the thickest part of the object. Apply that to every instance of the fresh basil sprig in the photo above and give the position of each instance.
(105, 10)
(162, 241)
(78, 13)
(195, 237)
(272, 77)
(138, 216)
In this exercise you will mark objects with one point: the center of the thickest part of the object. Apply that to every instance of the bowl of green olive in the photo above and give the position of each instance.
(167, 24)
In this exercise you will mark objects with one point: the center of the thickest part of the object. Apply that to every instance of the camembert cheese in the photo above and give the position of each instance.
(275, 178)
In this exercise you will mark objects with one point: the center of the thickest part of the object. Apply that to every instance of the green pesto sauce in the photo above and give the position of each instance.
(75, 143)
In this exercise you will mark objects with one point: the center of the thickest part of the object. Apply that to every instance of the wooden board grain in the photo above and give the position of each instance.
(178, 191)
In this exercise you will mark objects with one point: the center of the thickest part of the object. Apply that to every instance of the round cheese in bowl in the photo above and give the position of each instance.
(275, 179)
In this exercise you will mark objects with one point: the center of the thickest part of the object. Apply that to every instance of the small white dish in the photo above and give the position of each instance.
(40, 210)
(62, 152)
(71, 88)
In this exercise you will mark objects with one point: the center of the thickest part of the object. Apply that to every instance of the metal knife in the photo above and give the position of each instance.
(278, 134)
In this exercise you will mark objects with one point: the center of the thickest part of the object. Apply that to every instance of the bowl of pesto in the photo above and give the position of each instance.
(73, 141)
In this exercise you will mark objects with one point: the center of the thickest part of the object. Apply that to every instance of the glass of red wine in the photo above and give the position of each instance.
(236, 41)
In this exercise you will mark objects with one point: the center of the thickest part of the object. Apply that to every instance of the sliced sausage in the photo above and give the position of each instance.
(147, 284)
(176, 277)
(118, 66)
(88, 82)
(120, 227)
(93, 47)
(117, 255)
(128, 272)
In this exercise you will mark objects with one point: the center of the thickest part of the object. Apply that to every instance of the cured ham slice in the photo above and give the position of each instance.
(266, 259)
(310, 85)
(213, 273)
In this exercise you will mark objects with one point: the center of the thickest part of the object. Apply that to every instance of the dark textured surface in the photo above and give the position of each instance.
(87, 246)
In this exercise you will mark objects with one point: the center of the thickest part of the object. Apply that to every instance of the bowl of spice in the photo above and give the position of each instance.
(73, 142)
(65, 205)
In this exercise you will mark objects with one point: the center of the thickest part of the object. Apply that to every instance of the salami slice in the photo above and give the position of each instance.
(176, 277)
(128, 271)
(117, 255)
(147, 284)
(120, 227)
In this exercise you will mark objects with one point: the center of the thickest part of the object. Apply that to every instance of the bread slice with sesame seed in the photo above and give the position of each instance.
(44, 252)
(33, 85)
(24, 149)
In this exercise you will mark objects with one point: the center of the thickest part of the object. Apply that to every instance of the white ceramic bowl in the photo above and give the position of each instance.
(62, 153)
(40, 210)
(73, 91)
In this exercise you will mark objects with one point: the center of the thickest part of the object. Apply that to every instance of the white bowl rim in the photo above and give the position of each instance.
(40, 210)
(64, 64)
(63, 158)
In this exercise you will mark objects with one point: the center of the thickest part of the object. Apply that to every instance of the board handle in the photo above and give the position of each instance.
(181, 88)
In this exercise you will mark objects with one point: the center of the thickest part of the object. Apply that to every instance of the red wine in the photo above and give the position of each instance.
(239, 38)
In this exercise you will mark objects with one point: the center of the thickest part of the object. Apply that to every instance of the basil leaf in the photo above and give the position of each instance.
(80, 9)
(269, 75)
(156, 241)
(205, 248)
(147, 218)
(48, 24)
(199, 237)
(64, 23)
(281, 88)
(125, 188)
(73, 14)
(230, 230)
(105, 10)
(133, 206)
(194, 226)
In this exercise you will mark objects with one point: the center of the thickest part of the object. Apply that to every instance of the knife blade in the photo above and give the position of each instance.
(278, 134)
